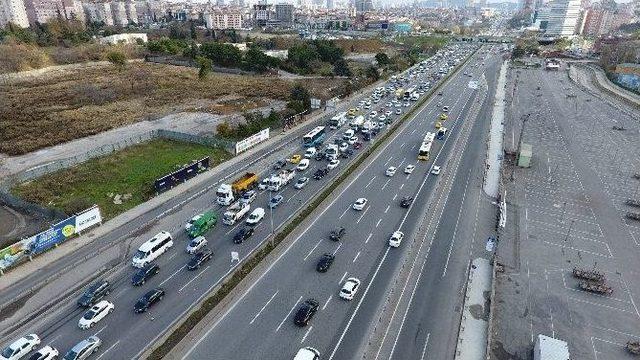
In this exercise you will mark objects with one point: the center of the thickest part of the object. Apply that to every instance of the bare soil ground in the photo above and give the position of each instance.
(52, 109)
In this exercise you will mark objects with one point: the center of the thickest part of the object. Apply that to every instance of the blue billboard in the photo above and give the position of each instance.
(55, 235)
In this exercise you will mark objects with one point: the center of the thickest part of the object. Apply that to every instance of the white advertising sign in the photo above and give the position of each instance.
(252, 140)
(316, 103)
(87, 219)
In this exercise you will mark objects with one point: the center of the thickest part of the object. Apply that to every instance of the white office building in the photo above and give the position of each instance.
(13, 11)
(563, 17)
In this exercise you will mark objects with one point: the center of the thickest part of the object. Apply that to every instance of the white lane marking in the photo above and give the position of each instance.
(338, 248)
(101, 330)
(361, 216)
(172, 275)
(455, 230)
(378, 223)
(395, 196)
(289, 313)
(401, 186)
(109, 349)
(232, 228)
(424, 349)
(306, 334)
(264, 307)
(385, 184)
(342, 278)
(345, 211)
(370, 181)
(388, 206)
(327, 303)
(356, 258)
(355, 312)
(50, 342)
(195, 277)
(368, 237)
(311, 251)
(391, 157)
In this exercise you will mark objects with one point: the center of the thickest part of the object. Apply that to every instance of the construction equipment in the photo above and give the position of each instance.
(590, 275)
(633, 216)
(633, 347)
(594, 287)
(632, 202)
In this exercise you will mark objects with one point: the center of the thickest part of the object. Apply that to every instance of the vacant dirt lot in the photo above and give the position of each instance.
(58, 108)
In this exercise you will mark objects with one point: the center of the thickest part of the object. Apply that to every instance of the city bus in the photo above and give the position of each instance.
(313, 137)
(425, 151)
(429, 137)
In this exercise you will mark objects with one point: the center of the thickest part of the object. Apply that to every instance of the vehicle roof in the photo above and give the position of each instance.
(154, 240)
(306, 354)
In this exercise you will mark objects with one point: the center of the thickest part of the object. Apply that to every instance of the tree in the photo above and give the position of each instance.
(258, 61)
(205, 67)
(302, 55)
(382, 59)
(341, 68)
(222, 54)
(372, 73)
(300, 98)
(118, 59)
(192, 30)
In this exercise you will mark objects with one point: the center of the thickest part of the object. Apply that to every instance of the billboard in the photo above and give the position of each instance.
(54, 235)
(88, 218)
(316, 103)
(177, 177)
(252, 140)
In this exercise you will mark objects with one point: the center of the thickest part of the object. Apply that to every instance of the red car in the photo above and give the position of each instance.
(357, 145)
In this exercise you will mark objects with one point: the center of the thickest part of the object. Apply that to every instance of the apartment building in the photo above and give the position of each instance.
(13, 11)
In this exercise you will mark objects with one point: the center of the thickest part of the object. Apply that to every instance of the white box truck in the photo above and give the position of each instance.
(235, 212)
(548, 348)
(280, 180)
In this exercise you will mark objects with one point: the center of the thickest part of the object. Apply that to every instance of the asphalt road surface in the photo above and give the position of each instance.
(259, 325)
(125, 334)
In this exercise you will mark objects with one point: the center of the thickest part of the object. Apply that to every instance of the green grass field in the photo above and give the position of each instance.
(130, 171)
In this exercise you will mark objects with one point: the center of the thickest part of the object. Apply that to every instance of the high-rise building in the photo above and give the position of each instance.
(40, 11)
(220, 20)
(330, 4)
(284, 14)
(363, 5)
(261, 13)
(119, 12)
(563, 17)
(99, 12)
(13, 11)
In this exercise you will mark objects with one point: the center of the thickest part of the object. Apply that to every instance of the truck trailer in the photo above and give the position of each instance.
(227, 193)
(235, 212)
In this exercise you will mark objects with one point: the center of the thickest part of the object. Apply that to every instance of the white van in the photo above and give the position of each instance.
(255, 217)
(307, 353)
(310, 152)
(153, 248)
(348, 134)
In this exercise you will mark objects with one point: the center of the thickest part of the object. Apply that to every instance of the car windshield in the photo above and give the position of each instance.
(139, 254)
(346, 291)
(141, 302)
(71, 355)
(7, 352)
(89, 315)
(194, 243)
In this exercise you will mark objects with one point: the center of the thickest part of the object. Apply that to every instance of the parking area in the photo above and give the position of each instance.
(568, 212)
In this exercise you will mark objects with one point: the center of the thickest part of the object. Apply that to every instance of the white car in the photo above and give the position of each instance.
(303, 165)
(389, 104)
(396, 239)
(360, 204)
(248, 197)
(263, 184)
(390, 171)
(373, 114)
(382, 118)
(192, 221)
(388, 113)
(409, 169)
(349, 288)
(310, 152)
(343, 147)
(196, 244)
(398, 111)
(407, 104)
(352, 140)
(307, 353)
(256, 216)
(445, 109)
(435, 170)
(333, 164)
(95, 314)
(20, 347)
(301, 182)
(398, 104)
(46, 353)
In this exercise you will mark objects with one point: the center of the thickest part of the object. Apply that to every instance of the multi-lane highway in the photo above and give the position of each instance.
(126, 335)
(259, 324)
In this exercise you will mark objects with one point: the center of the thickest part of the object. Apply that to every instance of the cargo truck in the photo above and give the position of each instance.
(277, 182)
(205, 222)
(226, 193)
(356, 123)
(339, 120)
(235, 212)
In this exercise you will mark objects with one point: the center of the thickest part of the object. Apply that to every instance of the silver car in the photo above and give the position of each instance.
(83, 349)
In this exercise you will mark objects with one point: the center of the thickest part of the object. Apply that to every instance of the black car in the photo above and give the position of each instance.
(148, 299)
(406, 201)
(346, 154)
(366, 137)
(199, 258)
(337, 234)
(325, 262)
(320, 173)
(242, 235)
(279, 164)
(141, 276)
(306, 311)
(94, 293)
(319, 156)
